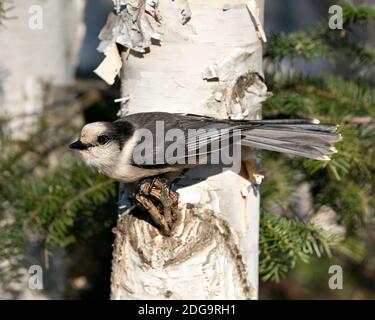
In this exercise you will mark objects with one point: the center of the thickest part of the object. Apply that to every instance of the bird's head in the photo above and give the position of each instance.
(100, 145)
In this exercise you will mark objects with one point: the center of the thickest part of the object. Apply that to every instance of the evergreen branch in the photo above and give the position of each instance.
(308, 45)
(354, 13)
(330, 98)
(60, 208)
(339, 97)
(324, 42)
(67, 207)
(285, 241)
(84, 193)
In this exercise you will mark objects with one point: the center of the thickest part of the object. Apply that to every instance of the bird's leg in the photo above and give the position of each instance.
(169, 201)
(154, 213)
(160, 202)
(166, 203)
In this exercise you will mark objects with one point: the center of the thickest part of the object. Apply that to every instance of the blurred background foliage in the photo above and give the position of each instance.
(338, 196)
(314, 214)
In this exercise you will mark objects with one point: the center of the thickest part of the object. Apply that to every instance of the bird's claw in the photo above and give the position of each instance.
(161, 203)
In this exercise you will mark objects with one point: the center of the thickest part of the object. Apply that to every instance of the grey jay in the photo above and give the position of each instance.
(110, 147)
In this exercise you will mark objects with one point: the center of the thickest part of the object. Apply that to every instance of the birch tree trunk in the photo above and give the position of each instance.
(210, 65)
(40, 46)
(38, 58)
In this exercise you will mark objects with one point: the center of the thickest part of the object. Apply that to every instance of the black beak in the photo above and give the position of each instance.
(78, 145)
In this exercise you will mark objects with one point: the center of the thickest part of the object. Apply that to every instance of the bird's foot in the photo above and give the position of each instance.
(161, 203)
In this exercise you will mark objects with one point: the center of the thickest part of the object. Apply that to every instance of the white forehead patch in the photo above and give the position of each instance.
(91, 131)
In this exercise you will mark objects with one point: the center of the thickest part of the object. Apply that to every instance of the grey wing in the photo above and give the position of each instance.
(200, 136)
(206, 138)
(181, 139)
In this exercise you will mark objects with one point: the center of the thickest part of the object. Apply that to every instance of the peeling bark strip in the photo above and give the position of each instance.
(130, 25)
(209, 65)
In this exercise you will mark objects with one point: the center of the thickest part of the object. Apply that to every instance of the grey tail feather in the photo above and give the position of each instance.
(297, 137)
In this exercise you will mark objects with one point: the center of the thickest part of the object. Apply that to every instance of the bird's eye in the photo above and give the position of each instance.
(103, 139)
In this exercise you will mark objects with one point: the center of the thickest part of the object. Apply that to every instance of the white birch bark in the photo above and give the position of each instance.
(213, 253)
(31, 58)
